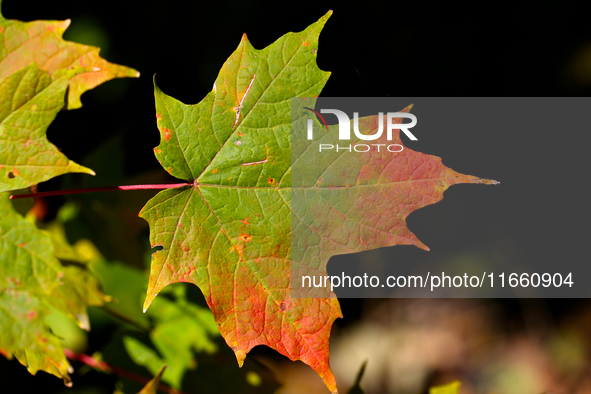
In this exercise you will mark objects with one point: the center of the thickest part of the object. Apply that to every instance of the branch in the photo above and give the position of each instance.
(104, 367)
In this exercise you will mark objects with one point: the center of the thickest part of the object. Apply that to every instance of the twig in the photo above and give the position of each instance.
(104, 367)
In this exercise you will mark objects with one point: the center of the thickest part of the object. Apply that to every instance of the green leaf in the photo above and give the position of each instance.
(27, 260)
(30, 273)
(24, 334)
(180, 328)
(37, 70)
(126, 285)
(177, 327)
(40, 42)
(32, 280)
(29, 101)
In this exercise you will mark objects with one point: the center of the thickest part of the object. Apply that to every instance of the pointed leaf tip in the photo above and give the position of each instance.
(152, 386)
(325, 17)
(156, 87)
(490, 182)
(148, 302)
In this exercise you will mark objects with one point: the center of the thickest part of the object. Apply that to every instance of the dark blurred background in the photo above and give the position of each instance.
(395, 49)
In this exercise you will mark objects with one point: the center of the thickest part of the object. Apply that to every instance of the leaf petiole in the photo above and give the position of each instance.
(99, 189)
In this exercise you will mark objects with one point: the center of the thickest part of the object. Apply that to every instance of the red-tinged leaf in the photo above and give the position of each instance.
(40, 42)
(26, 336)
(230, 232)
(346, 202)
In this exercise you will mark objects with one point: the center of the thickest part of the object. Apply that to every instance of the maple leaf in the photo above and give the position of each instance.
(26, 336)
(32, 282)
(37, 68)
(30, 100)
(230, 232)
(41, 42)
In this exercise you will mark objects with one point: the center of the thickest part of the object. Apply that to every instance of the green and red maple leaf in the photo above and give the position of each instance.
(230, 231)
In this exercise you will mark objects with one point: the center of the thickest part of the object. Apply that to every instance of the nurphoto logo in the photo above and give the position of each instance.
(345, 130)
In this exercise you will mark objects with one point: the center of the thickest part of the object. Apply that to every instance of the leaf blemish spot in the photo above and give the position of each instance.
(254, 163)
(166, 134)
(214, 171)
(238, 143)
(239, 107)
(10, 175)
(283, 306)
(246, 237)
(271, 180)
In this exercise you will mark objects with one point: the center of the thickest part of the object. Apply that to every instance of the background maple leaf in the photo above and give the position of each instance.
(41, 42)
(38, 70)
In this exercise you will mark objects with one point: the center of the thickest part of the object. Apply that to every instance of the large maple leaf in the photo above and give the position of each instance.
(230, 231)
